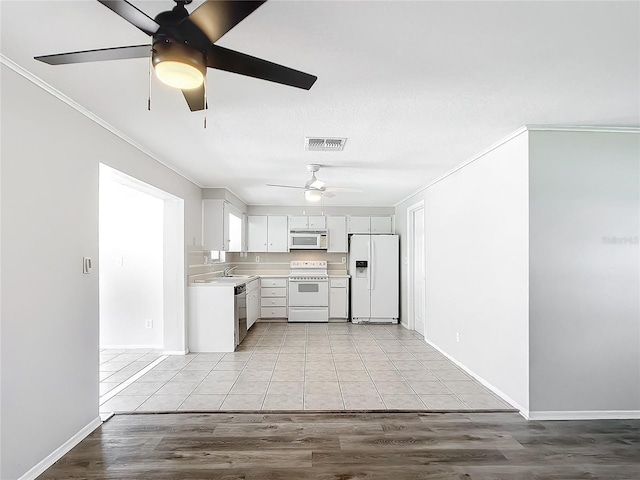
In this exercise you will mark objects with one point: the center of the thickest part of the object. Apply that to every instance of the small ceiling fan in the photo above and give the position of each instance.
(183, 46)
(314, 189)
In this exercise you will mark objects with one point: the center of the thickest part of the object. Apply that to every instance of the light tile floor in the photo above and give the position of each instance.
(118, 365)
(282, 366)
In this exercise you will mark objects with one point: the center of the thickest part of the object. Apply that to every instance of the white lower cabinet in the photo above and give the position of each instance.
(211, 323)
(339, 298)
(273, 297)
(253, 302)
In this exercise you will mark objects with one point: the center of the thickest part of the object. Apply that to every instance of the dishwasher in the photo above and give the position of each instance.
(240, 312)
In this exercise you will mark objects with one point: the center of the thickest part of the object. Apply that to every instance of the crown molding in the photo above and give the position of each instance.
(583, 128)
(511, 136)
(90, 115)
(499, 143)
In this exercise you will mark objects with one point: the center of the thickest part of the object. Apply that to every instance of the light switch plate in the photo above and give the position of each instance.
(86, 265)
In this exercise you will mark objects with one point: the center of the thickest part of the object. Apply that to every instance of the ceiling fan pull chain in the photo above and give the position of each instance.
(206, 103)
(150, 75)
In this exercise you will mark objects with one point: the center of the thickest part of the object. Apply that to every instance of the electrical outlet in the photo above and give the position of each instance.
(257, 258)
(344, 259)
(148, 323)
(458, 337)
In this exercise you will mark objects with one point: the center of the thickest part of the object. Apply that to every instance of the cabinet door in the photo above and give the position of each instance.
(337, 233)
(317, 222)
(298, 222)
(257, 233)
(381, 225)
(359, 225)
(278, 233)
(253, 307)
(213, 225)
(338, 303)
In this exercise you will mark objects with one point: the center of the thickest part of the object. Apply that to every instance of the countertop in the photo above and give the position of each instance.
(230, 281)
(234, 280)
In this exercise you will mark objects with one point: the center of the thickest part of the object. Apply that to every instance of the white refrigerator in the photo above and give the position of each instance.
(374, 271)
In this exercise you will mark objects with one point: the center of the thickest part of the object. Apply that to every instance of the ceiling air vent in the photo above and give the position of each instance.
(315, 144)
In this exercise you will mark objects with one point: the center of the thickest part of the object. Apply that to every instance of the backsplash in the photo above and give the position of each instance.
(262, 263)
(279, 262)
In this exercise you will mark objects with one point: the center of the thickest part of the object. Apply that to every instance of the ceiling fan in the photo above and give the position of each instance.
(183, 46)
(314, 189)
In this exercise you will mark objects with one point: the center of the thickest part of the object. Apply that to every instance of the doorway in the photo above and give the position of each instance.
(417, 270)
(142, 297)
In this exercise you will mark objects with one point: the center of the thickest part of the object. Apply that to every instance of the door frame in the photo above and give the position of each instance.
(174, 253)
(411, 266)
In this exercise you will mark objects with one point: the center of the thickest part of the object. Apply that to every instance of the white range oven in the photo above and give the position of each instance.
(308, 291)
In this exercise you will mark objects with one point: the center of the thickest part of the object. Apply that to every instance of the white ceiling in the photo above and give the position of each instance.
(416, 87)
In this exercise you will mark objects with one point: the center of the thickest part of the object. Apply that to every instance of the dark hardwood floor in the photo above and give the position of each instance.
(396, 446)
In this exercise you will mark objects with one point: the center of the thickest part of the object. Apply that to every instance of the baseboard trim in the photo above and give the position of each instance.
(522, 410)
(585, 415)
(124, 347)
(176, 352)
(59, 452)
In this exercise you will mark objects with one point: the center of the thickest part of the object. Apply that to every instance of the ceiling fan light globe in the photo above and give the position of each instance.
(312, 195)
(178, 65)
(179, 75)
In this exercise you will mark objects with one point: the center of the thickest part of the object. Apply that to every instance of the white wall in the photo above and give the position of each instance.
(585, 284)
(477, 267)
(533, 257)
(131, 265)
(49, 211)
(476, 239)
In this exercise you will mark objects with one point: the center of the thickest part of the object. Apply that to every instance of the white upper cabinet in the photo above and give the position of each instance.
(381, 225)
(337, 234)
(213, 225)
(317, 222)
(257, 233)
(371, 224)
(278, 233)
(304, 222)
(222, 226)
(298, 222)
(267, 233)
(359, 225)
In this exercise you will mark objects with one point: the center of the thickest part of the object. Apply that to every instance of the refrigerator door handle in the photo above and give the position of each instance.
(369, 264)
(373, 262)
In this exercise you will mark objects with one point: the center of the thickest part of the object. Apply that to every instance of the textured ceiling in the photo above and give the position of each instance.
(416, 87)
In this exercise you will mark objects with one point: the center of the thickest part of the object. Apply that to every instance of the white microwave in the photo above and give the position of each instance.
(308, 240)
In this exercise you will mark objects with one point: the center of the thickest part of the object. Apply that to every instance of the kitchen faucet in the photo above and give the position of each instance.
(228, 270)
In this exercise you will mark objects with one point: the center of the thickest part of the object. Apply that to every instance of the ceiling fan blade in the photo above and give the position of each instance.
(195, 98)
(133, 15)
(284, 186)
(217, 17)
(115, 53)
(236, 62)
(344, 189)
